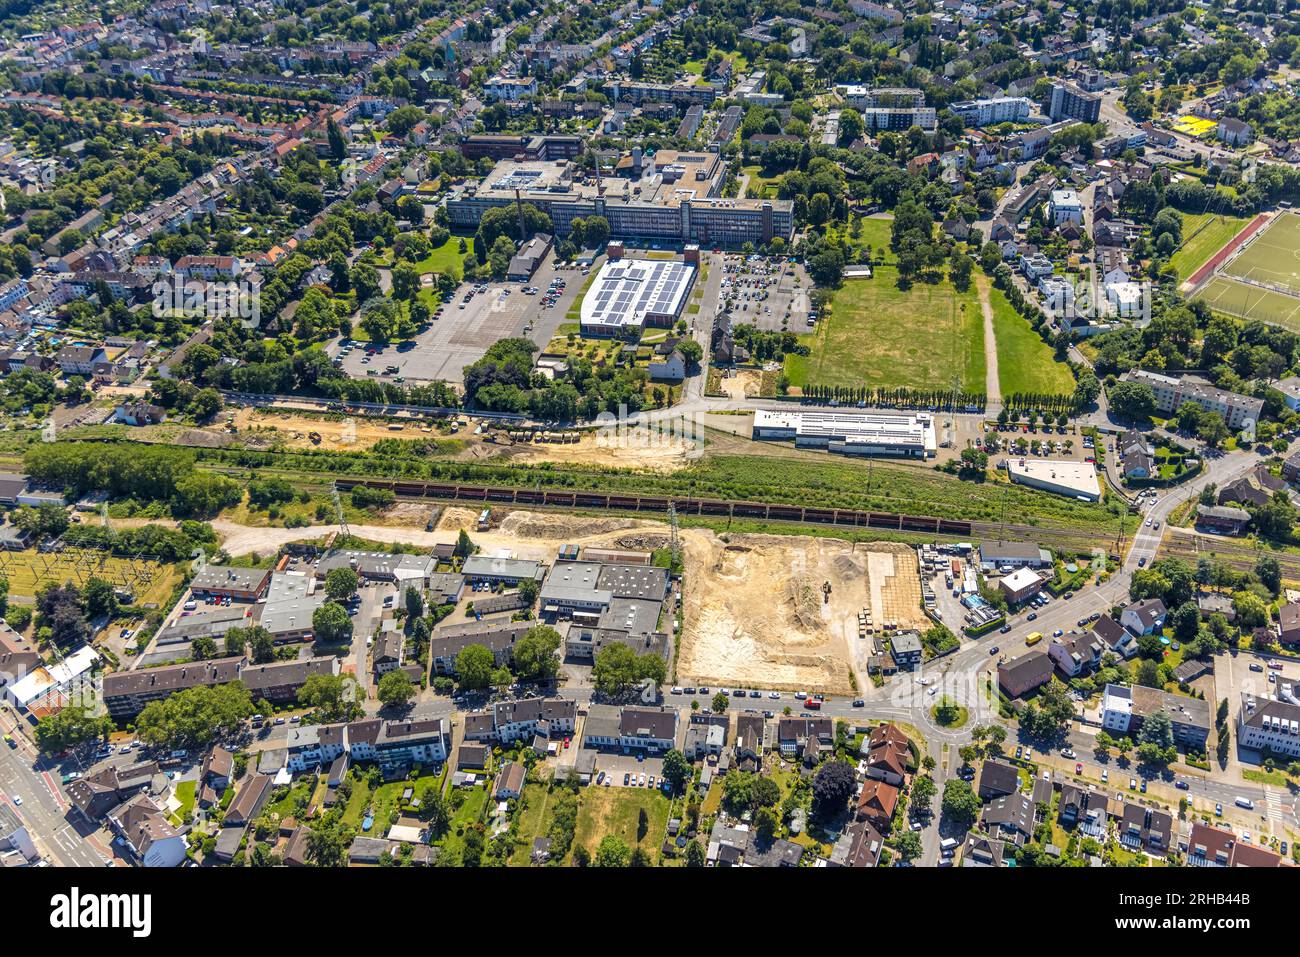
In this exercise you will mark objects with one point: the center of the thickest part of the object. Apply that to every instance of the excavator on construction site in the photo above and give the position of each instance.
(826, 592)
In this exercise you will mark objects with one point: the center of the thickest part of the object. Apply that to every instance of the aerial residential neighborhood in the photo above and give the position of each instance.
(672, 434)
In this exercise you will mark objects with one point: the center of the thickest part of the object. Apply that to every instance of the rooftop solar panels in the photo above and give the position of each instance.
(627, 291)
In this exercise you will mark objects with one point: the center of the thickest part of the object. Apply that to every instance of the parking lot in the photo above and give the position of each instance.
(616, 765)
(464, 327)
(768, 292)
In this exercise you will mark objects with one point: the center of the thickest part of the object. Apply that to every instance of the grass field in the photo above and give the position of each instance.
(447, 258)
(881, 336)
(873, 232)
(617, 811)
(28, 570)
(1252, 302)
(1203, 236)
(758, 184)
(534, 822)
(469, 813)
(1025, 362)
(1273, 256)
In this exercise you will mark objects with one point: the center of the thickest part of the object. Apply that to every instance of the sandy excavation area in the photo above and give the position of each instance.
(637, 449)
(634, 449)
(353, 432)
(757, 615)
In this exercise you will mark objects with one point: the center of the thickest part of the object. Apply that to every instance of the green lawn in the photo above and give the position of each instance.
(301, 789)
(470, 812)
(357, 802)
(534, 822)
(760, 185)
(185, 793)
(884, 337)
(873, 232)
(617, 811)
(1203, 235)
(447, 258)
(388, 797)
(575, 311)
(1025, 362)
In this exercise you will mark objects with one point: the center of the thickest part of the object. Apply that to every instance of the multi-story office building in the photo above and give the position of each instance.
(676, 198)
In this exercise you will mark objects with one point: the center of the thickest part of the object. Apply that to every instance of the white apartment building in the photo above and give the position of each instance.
(1269, 725)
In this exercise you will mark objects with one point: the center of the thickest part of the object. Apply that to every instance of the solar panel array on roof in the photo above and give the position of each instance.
(627, 291)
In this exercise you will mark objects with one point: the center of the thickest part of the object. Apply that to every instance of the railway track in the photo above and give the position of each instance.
(723, 508)
(1062, 539)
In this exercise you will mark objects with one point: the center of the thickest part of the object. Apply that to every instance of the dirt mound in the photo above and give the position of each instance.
(455, 518)
(548, 525)
(805, 602)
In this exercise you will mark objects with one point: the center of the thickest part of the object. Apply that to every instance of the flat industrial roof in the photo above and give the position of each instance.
(627, 290)
(854, 427)
(1078, 478)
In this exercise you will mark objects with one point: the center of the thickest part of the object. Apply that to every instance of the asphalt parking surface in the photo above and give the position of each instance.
(465, 329)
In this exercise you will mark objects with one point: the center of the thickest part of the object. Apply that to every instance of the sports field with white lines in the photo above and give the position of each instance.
(1263, 280)
(1272, 257)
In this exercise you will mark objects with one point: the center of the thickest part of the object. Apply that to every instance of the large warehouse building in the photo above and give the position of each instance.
(901, 434)
(629, 294)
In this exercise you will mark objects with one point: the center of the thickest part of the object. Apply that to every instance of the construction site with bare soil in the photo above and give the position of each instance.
(638, 449)
(761, 611)
(782, 613)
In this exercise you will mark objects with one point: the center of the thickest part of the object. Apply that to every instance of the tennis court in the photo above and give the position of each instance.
(1272, 257)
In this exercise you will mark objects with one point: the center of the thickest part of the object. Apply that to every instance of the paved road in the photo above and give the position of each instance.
(45, 808)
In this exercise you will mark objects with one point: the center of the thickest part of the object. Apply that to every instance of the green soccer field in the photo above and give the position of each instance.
(1272, 257)
(1245, 301)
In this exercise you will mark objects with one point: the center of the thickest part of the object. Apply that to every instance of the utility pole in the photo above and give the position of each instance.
(344, 531)
(674, 547)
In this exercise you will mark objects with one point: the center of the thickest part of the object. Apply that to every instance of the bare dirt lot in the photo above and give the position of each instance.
(635, 449)
(745, 384)
(264, 427)
(756, 613)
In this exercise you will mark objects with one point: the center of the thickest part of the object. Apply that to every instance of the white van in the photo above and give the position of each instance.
(1247, 803)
